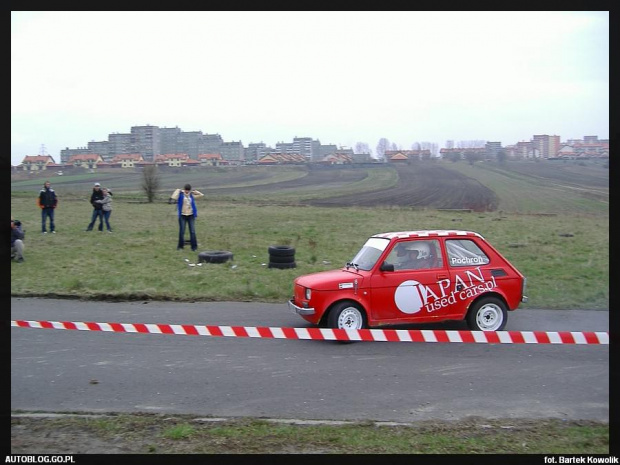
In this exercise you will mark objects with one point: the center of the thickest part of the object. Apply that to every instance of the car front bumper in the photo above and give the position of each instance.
(300, 310)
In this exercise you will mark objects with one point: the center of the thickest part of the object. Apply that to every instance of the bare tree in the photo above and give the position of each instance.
(150, 181)
(382, 146)
(362, 147)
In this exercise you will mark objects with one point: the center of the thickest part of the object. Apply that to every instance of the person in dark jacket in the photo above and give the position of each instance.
(97, 210)
(48, 202)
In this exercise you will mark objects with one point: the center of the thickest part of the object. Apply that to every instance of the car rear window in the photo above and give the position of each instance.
(465, 252)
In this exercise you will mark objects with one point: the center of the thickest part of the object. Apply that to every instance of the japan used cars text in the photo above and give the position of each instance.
(414, 277)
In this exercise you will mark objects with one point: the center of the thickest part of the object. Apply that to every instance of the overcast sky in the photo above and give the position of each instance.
(339, 77)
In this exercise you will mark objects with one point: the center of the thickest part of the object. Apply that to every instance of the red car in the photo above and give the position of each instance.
(414, 277)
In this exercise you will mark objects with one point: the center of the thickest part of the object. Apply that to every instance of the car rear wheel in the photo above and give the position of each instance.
(347, 315)
(488, 314)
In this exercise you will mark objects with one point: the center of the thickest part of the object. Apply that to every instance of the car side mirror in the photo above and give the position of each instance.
(385, 266)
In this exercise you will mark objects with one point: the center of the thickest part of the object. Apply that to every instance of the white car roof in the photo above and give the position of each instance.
(427, 233)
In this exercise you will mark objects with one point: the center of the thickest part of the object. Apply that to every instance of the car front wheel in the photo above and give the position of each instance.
(347, 315)
(488, 314)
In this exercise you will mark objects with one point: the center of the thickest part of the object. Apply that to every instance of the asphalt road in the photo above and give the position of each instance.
(93, 371)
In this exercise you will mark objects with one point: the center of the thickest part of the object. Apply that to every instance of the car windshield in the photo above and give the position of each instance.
(369, 253)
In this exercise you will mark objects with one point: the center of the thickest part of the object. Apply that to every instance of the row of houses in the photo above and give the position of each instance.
(94, 161)
(523, 150)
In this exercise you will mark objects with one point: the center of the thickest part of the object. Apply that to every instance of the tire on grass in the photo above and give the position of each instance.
(214, 256)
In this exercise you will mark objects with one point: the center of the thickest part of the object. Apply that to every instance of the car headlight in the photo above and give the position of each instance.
(308, 293)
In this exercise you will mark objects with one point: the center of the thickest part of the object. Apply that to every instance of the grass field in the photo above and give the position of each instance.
(551, 187)
(557, 237)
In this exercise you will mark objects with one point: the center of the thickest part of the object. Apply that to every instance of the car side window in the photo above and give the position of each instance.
(416, 255)
(465, 252)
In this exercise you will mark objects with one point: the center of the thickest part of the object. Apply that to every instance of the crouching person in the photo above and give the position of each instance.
(17, 241)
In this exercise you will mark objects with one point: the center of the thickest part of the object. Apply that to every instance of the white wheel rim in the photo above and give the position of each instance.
(489, 317)
(350, 318)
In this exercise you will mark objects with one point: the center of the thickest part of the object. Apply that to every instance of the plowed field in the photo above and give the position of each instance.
(543, 185)
(423, 185)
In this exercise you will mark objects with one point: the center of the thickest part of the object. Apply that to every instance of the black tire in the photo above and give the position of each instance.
(487, 314)
(214, 256)
(282, 265)
(278, 259)
(347, 315)
(281, 251)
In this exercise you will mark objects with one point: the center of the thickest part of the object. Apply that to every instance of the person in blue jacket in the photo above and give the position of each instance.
(186, 207)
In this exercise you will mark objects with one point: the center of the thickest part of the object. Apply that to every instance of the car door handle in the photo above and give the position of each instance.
(442, 276)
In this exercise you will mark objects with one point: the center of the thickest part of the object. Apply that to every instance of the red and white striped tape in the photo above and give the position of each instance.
(323, 334)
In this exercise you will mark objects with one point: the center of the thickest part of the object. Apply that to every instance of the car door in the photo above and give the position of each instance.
(405, 294)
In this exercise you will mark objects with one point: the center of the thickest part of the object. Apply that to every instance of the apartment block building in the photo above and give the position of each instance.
(169, 140)
(212, 143)
(145, 140)
(67, 153)
(233, 152)
(307, 147)
(190, 142)
(547, 146)
(120, 144)
(493, 149)
(101, 148)
(255, 151)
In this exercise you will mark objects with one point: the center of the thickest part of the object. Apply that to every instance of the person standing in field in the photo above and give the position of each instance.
(106, 207)
(187, 211)
(97, 211)
(47, 202)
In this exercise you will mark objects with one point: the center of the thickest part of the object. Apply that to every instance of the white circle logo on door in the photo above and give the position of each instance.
(408, 297)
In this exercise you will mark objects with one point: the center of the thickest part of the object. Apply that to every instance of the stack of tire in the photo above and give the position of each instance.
(281, 256)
